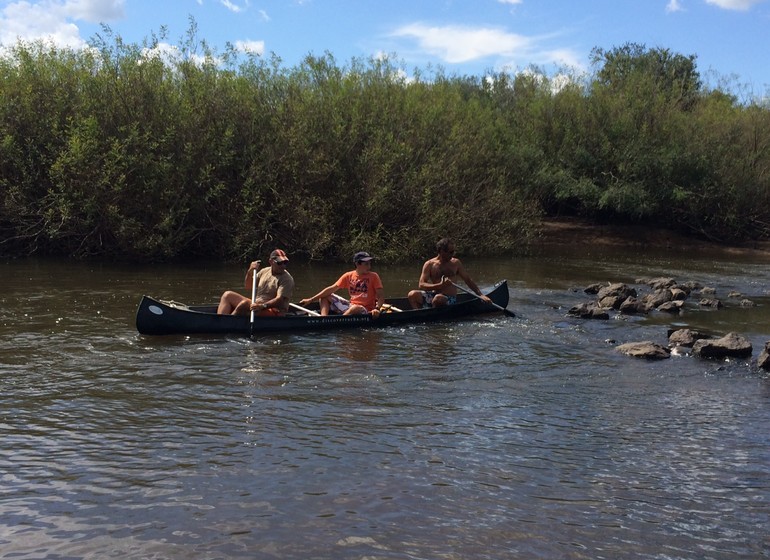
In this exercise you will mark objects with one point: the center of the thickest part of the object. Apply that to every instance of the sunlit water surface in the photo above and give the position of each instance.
(489, 438)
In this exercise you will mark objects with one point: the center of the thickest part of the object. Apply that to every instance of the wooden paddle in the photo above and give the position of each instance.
(500, 307)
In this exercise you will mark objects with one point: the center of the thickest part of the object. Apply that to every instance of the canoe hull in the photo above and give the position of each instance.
(156, 317)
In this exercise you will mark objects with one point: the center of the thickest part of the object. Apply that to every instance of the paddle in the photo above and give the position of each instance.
(253, 292)
(500, 307)
(308, 311)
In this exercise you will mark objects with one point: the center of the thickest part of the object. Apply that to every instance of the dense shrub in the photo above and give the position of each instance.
(124, 151)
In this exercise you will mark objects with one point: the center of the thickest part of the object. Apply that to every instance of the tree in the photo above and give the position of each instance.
(658, 70)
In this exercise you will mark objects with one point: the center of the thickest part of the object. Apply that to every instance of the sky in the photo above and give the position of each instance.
(462, 37)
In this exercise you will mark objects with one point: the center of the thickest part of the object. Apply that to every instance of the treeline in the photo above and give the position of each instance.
(123, 151)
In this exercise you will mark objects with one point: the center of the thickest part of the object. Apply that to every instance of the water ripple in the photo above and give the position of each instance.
(489, 438)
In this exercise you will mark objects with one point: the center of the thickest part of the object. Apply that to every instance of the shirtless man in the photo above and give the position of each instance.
(436, 287)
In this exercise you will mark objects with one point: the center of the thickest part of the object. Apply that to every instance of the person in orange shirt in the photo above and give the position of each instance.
(363, 285)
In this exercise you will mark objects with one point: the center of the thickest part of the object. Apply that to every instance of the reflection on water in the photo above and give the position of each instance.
(486, 438)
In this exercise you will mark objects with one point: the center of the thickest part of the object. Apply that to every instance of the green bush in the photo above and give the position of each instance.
(125, 151)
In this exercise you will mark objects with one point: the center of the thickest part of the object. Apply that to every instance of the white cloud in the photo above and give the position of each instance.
(170, 55)
(263, 15)
(460, 44)
(560, 81)
(253, 47)
(510, 1)
(555, 83)
(54, 20)
(734, 4)
(456, 44)
(674, 6)
(231, 6)
(31, 22)
(164, 51)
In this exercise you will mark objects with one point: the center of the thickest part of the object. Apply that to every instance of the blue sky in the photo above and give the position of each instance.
(729, 37)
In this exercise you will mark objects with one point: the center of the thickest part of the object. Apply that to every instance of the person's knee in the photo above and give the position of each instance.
(355, 310)
(242, 307)
(415, 298)
(440, 300)
(234, 298)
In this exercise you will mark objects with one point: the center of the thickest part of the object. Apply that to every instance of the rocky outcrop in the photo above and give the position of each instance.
(588, 311)
(647, 349)
(618, 290)
(668, 296)
(732, 345)
(764, 357)
(685, 337)
(671, 306)
(633, 306)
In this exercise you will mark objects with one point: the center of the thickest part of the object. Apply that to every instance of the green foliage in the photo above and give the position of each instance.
(140, 152)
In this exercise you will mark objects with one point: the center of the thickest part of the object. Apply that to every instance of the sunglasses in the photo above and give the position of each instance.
(281, 263)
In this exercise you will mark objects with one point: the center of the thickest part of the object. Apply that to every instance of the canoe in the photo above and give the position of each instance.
(157, 317)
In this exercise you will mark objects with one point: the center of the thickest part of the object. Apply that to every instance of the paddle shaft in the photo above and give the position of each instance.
(308, 311)
(253, 292)
(474, 294)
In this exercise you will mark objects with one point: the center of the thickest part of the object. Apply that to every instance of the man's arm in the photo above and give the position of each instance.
(253, 268)
(469, 282)
(426, 281)
(279, 302)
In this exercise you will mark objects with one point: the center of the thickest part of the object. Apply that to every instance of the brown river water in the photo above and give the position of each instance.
(488, 438)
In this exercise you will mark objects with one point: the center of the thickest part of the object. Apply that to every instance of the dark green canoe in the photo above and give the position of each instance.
(156, 317)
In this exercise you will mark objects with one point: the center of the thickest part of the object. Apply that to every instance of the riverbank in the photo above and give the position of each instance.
(574, 231)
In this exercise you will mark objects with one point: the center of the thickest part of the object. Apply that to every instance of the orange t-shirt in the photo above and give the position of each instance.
(361, 287)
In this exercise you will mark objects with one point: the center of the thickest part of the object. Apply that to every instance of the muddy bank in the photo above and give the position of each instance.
(571, 231)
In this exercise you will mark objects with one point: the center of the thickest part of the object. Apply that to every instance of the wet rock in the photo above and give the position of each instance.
(633, 306)
(588, 311)
(747, 303)
(617, 289)
(611, 302)
(657, 298)
(708, 302)
(764, 357)
(685, 337)
(661, 283)
(671, 306)
(732, 345)
(690, 286)
(678, 294)
(647, 349)
(593, 288)
(708, 291)
(735, 295)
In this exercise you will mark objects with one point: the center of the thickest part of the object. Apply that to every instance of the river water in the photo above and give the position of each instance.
(489, 438)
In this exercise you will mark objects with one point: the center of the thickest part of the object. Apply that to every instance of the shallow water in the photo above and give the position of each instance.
(487, 438)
